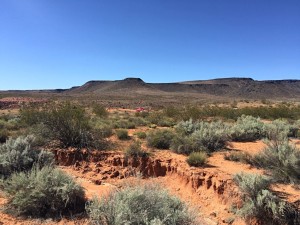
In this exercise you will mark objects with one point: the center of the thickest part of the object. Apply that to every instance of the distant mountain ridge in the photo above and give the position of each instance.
(232, 88)
(228, 87)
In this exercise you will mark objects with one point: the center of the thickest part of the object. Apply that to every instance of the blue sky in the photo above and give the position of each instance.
(63, 43)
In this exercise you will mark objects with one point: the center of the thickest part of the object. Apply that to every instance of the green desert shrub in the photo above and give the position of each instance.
(183, 145)
(99, 110)
(155, 116)
(70, 125)
(278, 131)
(210, 136)
(187, 127)
(31, 115)
(102, 127)
(10, 124)
(251, 184)
(66, 122)
(135, 150)
(122, 134)
(45, 192)
(166, 122)
(141, 134)
(160, 139)
(138, 121)
(197, 159)
(123, 124)
(247, 128)
(3, 135)
(281, 160)
(139, 204)
(20, 155)
(260, 203)
(238, 156)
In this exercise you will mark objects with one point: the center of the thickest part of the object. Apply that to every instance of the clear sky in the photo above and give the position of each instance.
(63, 43)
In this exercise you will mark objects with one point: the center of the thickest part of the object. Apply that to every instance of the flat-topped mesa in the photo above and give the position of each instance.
(132, 80)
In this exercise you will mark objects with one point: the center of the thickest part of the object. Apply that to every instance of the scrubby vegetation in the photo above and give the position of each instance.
(282, 161)
(261, 204)
(197, 112)
(211, 136)
(146, 204)
(160, 139)
(198, 136)
(239, 157)
(182, 144)
(122, 134)
(3, 135)
(197, 159)
(20, 155)
(135, 150)
(99, 110)
(279, 130)
(45, 192)
(247, 128)
(68, 123)
(140, 134)
(195, 131)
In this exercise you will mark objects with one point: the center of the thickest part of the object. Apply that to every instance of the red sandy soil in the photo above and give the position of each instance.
(210, 191)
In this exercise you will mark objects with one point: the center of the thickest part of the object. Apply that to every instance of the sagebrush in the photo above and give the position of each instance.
(139, 204)
(45, 192)
(20, 155)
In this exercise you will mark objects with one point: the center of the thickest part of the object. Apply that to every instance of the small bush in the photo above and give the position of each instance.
(122, 134)
(183, 145)
(239, 157)
(282, 161)
(261, 204)
(247, 128)
(141, 134)
(210, 136)
(160, 139)
(20, 155)
(66, 122)
(142, 114)
(166, 122)
(135, 150)
(278, 131)
(144, 205)
(31, 115)
(100, 110)
(197, 159)
(251, 184)
(138, 121)
(70, 125)
(45, 192)
(3, 135)
(187, 127)
(123, 124)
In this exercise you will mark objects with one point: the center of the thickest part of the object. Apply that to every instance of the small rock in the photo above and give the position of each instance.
(97, 182)
(97, 170)
(114, 174)
(77, 164)
(98, 164)
(214, 214)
